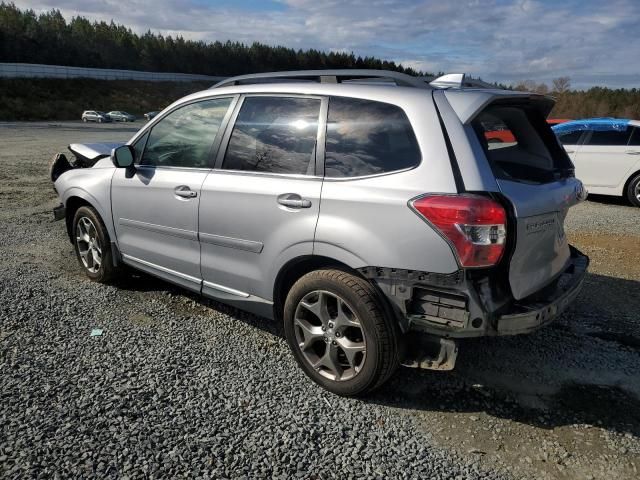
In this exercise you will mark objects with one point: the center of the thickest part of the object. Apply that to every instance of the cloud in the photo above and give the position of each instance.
(591, 41)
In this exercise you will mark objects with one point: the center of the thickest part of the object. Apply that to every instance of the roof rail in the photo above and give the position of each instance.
(326, 76)
(458, 80)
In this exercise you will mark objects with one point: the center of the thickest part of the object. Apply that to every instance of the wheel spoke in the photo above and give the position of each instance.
(96, 258)
(345, 317)
(330, 361)
(318, 308)
(84, 255)
(310, 333)
(351, 349)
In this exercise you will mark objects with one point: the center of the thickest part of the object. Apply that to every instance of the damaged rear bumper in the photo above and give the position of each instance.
(525, 317)
(437, 310)
(456, 306)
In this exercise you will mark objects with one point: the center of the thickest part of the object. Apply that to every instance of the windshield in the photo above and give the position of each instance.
(520, 145)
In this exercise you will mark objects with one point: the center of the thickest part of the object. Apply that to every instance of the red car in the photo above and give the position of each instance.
(500, 133)
(556, 121)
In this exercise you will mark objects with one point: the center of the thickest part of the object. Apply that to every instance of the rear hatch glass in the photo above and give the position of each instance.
(520, 145)
(534, 173)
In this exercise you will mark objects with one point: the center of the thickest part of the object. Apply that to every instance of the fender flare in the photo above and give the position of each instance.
(93, 201)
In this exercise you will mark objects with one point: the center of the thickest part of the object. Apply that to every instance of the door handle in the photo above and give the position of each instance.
(185, 192)
(293, 200)
(569, 151)
(632, 152)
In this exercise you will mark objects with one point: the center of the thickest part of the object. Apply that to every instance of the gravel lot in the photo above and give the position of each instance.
(178, 386)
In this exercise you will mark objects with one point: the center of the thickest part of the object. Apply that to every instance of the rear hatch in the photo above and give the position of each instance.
(532, 171)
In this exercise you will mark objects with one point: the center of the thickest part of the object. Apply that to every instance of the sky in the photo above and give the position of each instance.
(592, 42)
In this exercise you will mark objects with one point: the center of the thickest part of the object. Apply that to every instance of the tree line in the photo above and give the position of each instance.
(26, 37)
(594, 102)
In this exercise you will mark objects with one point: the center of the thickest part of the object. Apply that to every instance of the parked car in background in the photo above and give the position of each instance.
(606, 154)
(376, 221)
(95, 116)
(120, 116)
(150, 115)
(557, 121)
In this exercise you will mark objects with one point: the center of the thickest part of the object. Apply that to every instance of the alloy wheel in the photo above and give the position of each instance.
(88, 244)
(330, 335)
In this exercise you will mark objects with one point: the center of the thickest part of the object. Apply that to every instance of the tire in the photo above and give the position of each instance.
(96, 239)
(633, 190)
(99, 120)
(84, 119)
(363, 329)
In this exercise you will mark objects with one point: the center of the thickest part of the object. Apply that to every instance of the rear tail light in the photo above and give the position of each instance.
(475, 226)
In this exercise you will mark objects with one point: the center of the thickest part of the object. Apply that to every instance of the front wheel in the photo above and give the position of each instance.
(633, 191)
(92, 246)
(339, 332)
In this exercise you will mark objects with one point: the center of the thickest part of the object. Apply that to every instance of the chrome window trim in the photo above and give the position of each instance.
(224, 289)
(297, 176)
(373, 175)
(183, 276)
(170, 168)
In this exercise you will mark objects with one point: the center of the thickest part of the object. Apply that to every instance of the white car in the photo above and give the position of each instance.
(606, 154)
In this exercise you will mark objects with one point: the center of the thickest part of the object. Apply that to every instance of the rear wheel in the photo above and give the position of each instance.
(633, 190)
(339, 332)
(92, 245)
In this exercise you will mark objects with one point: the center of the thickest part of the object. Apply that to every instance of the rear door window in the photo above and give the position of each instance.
(519, 144)
(614, 137)
(366, 138)
(275, 135)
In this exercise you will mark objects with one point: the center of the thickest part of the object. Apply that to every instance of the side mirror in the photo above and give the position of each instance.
(123, 156)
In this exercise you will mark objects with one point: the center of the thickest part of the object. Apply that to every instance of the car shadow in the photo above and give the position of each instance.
(570, 372)
(608, 200)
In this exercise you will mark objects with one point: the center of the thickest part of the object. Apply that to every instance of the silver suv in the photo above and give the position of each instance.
(366, 210)
(95, 116)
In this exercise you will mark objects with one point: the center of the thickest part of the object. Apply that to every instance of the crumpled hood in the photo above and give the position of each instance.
(89, 153)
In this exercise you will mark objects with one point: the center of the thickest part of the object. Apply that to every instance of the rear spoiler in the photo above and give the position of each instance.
(468, 96)
(467, 104)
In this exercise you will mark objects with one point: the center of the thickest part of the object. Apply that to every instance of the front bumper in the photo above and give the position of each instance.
(527, 316)
(59, 212)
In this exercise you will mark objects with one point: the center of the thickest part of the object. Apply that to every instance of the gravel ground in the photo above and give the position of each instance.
(179, 386)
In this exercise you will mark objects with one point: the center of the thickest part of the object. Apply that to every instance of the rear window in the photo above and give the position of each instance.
(367, 138)
(610, 137)
(520, 145)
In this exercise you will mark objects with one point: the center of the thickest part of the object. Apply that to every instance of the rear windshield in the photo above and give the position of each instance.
(520, 145)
